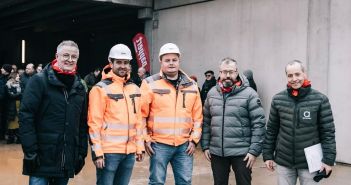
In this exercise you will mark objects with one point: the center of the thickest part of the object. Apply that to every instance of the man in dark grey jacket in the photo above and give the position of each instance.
(299, 117)
(233, 126)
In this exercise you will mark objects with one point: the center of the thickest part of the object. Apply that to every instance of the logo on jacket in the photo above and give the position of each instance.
(306, 115)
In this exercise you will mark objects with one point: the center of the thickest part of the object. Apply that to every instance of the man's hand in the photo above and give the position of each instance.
(326, 167)
(99, 163)
(140, 157)
(191, 149)
(207, 155)
(269, 165)
(250, 160)
(148, 148)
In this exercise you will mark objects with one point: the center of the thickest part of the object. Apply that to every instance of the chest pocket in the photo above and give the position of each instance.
(133, 96)
(188, 93)
(307, 117)
(161, 91)
(115, 97)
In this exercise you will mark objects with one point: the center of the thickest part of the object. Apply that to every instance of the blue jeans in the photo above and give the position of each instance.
(47, 180)
(117, 171)
(182, 164)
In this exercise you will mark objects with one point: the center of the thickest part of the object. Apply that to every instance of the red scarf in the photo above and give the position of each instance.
(295, 92)
(228, 89)
(55, 66)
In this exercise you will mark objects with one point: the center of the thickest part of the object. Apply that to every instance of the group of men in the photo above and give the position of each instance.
(166, 119)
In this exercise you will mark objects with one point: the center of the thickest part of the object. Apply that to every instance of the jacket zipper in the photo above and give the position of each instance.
(224, 100)
(294, 131)
(127, 115)
(64, 133)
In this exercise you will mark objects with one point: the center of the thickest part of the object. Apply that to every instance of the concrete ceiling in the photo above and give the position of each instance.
(68, 15)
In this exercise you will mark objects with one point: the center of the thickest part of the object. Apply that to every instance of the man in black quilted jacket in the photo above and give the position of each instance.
(299, 117)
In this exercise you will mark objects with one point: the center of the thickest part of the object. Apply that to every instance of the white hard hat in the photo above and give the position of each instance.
(120, 51)
(169, 48)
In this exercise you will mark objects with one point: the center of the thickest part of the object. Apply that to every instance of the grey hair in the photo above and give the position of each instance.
(66, 43)
(295, 62)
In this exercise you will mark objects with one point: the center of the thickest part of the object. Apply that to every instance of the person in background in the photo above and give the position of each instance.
(14, 93)
(39, 68)
(249, 75)
(4, 76)
(24, 78)
(208, 84)
(92, 78)
(142, 74)
(14, 68)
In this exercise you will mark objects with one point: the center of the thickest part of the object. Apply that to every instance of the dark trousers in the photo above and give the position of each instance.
(221, 169)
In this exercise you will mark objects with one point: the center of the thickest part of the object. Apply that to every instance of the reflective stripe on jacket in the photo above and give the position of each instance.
(114, 116)
(172, 116)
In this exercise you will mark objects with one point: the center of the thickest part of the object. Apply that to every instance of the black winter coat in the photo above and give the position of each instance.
(296, 123)
(53, 126)
(206, 87)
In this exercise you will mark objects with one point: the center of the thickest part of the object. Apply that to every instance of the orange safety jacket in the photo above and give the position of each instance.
(114, 116)
(171, 115)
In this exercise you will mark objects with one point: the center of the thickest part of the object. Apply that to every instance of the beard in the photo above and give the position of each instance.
(228, 82)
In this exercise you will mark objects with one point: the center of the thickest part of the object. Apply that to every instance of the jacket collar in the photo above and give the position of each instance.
(53, 80)
(107, 73)
(184, 79)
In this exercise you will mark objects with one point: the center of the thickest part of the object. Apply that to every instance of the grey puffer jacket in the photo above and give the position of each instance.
(233, 123)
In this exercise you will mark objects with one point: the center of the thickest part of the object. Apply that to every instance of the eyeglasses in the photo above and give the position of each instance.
(229, 72)
(67, 56)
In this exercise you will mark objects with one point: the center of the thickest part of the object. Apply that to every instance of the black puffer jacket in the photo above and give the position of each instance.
(296, 123)
(233, 124)
(53, 126)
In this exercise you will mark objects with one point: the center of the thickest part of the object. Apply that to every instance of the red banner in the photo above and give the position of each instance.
(142, 51)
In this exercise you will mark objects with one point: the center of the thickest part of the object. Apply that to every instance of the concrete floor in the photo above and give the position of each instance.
(11, 167)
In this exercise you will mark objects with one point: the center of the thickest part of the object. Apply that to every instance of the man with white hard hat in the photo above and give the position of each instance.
(172, 114)
(114, 120)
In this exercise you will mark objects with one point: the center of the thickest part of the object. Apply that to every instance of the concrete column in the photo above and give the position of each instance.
(318, 38)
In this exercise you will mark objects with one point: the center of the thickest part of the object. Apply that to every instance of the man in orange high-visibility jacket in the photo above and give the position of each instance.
(114, 120)
(172, 111)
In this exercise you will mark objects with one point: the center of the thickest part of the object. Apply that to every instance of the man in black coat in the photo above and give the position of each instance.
(53, 120)
(92, 78)
(300, 117)
(28, 73)
(208, 84)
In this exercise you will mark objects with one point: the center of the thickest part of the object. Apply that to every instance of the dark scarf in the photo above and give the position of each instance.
(67, 78)
(303, 90)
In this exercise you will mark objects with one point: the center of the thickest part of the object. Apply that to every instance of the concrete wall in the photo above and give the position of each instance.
(263, 35)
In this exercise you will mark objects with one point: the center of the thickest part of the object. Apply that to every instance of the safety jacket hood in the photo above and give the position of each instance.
(185, 80)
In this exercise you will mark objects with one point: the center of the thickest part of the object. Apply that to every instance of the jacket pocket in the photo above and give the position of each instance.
(185, 92)
(161, 91)
(116, 97)
(48, 149)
